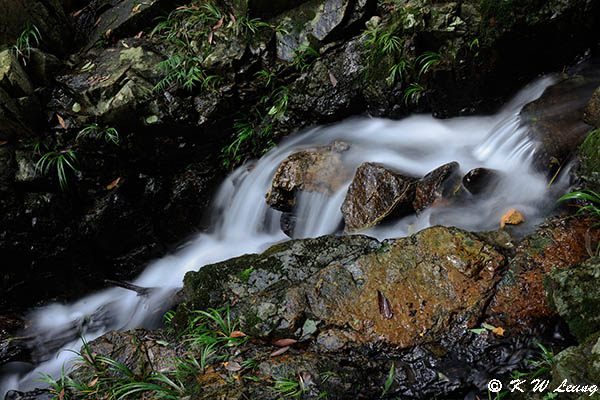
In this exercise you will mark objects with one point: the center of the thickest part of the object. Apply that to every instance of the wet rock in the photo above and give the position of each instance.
(26, 172)
(319, 169)
(375, 193)
(574, 293)
(437, 184)
(287, 223)
(556, 132)
(43, 67)
(589, 156)
(13, 78)
(12, 347)
(578, 366)
(432, 279)
(479, 180)
(512, 217)
(591, 115)
(520, 301)
(37, 394)
(310, 21)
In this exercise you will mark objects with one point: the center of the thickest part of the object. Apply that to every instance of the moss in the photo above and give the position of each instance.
(590, 161)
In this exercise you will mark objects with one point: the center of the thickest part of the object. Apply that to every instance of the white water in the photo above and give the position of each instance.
(245, 224)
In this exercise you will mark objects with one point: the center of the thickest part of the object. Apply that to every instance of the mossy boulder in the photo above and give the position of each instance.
(575, 295)
(589, 155)
(520, 299)
(591, 114)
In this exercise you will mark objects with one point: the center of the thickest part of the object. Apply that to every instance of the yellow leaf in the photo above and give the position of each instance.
(107, 33)
(136, 8)
(61, 121)
(498, 331)
(113, 184)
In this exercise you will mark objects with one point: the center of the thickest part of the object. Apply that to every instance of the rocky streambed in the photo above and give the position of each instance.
(152, 115)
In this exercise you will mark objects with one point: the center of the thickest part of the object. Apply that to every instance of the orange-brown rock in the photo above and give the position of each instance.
(512, 217)
(376, 192)
(520, 300)
(320, 169)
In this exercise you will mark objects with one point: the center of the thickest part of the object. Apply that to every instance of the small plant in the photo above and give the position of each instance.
(427, 60)
(245, 275)
(388, 381)
(289, 388)
(61, 160)
(304, 56)
(413, 93)
(267, 76)
(591, 209)
(28, 36)
(397, 71)
(280, 102)
(474, 46)
(110, 135)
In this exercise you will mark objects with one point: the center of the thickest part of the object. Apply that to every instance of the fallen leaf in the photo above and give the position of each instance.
(76, 13)
(232, 366)
(210, 37)
(136, 8)
(332, 79)
(284, 342)
(232, 18)
(124, 44)
(139, 35)
(61, 121)
(498, 331)
(113, 184)
(385, 308)
(512, 217)
(181, 8)
(235, 334)
(218, 24)
(98, 21)
(280, 351)
(3, 142)
(107, 33)
(92, 383)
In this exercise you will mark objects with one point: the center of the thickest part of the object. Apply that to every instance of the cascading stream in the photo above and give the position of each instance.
(245, 224)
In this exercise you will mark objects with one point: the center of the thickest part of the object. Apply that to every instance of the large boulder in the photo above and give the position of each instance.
(402, 292)
(520, 299)
(375, 193)
(319, 169)
(555, 121)
(575, 295)
(439, 183)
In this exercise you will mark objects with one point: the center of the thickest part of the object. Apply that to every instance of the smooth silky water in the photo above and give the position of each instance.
(243, 223)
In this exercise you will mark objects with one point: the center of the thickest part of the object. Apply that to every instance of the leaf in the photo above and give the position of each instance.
(182, 8)
(385, 308)
(107, 33)
(332, 79)
(477, 331)
(76, 13)
(210, 37)
(236, 334)
(124, 44)
(139, 35)
(3, 142)
(136, 8)
(93, 382)
(61, 395)
(232, 18)
(98, 21)
(218, 24)
(61, 121)
(280, 351)
(284, 342)
(113, 184)
(488, 326)
(498, 331)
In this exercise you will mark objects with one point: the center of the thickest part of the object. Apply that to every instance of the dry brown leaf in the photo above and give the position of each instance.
(76, 13)
(3, 142)
(124, 44)
(61, 395)
(235, 334)
(280, 351)
(232, 18)
(181, 8)
(93, 382)
(284, 342)
(218, 24)
(332, 79)
(385, 308)
(139, 35)
(107, 33)
(210, 37)
(113, 184)
(61, 121)
(232, 366)
(498, 331)
(98, 21)
(136, 8)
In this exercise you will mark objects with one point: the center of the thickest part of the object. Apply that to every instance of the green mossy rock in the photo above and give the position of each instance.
(575, 294)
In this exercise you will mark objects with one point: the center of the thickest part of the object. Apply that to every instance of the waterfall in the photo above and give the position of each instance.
(243, 223)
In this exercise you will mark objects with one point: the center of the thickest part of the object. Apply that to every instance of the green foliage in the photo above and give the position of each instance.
(592, 209)
(245, 275)
(61, 160)
(413, 93)
(110, 135)
(426, 60)
(388, 381)
(30, 35)
(304, 57)
(290, 387)
(211, 328)
(267, 76)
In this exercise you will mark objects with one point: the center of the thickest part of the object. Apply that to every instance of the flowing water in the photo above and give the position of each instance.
(245, 224)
